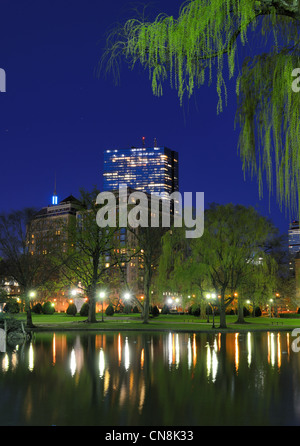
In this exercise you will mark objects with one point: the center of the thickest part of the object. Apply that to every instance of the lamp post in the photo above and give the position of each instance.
(102, 296)
(208, 297)
(212, 297)
(271, 301)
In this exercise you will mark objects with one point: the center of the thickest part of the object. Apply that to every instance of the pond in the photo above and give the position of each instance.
(151, 379)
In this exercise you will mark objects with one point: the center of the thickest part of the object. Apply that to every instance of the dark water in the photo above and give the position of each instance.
(134, 379)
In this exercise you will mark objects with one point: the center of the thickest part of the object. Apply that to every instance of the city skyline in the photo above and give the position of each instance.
(58, 118)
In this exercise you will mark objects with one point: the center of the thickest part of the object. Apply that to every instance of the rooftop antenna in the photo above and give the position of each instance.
(143, 139)
(54, 196)
(155, 142)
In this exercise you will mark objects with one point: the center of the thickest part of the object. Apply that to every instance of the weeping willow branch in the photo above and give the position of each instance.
(269, 116)
(197, 47)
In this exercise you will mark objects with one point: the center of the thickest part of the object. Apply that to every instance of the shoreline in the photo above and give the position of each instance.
(56, 328)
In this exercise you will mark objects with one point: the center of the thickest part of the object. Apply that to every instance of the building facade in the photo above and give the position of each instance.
(294, 238)
(145, 169)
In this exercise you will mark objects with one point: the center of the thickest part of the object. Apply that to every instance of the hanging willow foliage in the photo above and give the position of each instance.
(196, 47)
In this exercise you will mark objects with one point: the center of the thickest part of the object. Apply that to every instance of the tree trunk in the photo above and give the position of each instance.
(240, 319)
(92, 307)
(147, 281)
(222, 311)
(29, 322)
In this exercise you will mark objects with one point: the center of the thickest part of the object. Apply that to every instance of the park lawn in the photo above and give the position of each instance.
(62, 321)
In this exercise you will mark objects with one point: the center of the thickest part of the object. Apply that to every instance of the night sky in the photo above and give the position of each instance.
(58, 117)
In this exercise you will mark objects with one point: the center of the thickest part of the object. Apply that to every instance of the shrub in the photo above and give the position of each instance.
(257, 312)
(246, 312)
(84, 310)
(37, 308)
(165, 309)
(12, 307)
(127, 308)
(155, 311)
(109, 310)
(72, 310)
(48, 308)
(195, 310)
(135, 309)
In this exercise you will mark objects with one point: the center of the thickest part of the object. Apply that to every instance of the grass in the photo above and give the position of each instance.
(173, 322)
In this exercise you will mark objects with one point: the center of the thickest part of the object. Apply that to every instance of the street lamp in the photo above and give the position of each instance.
(102, 296)
(271, 301)
(212, 297)
(207, 297)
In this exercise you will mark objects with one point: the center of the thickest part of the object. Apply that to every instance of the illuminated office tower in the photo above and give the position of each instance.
(146, 169)
(294, 238)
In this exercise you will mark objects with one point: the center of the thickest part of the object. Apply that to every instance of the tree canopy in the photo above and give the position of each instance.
(200, 45)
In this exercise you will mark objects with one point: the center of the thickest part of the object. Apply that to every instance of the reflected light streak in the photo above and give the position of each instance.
(54, 350)
(127, 356)
(106, 382)
(31, 358)
(14, 359)
(5, 363)
(215, 345)
(249, 348)
(271, 349)
(170, 348)
(194, 350)
(101, 363)
(189, 353)
(73, 362)
(177, 351)
(214, 366)
(237, 352)
(142, 397)
(278, 350)
(211, 362)
(119, 349)
(142, 358)
(208, 360)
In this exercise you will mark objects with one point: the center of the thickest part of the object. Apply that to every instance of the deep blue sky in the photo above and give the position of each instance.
(56, 116)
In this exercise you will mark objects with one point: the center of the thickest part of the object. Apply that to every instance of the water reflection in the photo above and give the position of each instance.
(174, 378)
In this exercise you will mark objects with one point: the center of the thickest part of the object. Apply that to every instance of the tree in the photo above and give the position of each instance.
(148, 248)
(179, 273)
(196, 47)
(86, 259)
(29, 268)
(223, 258)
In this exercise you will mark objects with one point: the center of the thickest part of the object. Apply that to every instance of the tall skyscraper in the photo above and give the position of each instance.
(294, 238)
(146, 169)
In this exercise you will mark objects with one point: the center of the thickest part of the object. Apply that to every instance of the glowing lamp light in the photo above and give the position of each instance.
(102, 295)
(127, 296)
